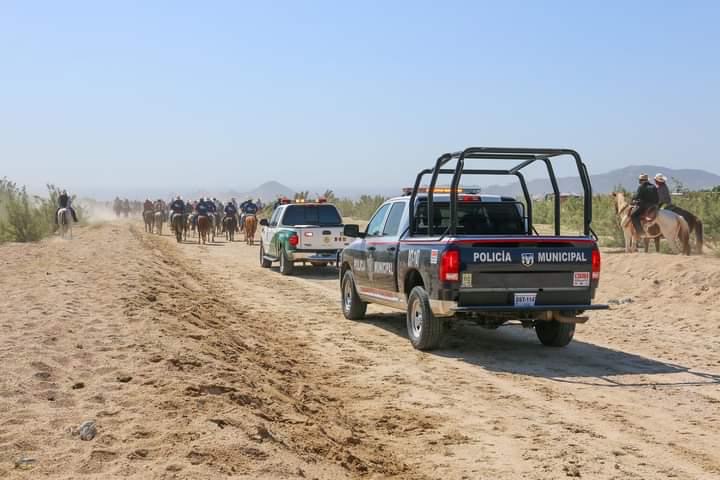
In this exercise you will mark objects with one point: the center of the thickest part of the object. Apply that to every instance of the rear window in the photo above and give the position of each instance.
(474, 218)
(321, 215)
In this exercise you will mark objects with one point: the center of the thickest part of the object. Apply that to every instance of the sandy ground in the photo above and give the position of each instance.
(196, 363)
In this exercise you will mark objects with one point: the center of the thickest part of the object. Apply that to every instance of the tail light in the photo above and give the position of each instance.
(293, 240)
(450, 266)
(596, 264)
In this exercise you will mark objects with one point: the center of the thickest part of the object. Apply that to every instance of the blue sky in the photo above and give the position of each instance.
(230, 94)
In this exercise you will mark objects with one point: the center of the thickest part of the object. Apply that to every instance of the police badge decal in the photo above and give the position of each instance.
(527, 259)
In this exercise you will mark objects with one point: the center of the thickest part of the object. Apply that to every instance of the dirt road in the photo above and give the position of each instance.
(197, 363)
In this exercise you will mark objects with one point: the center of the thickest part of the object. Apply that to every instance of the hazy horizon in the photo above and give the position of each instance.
(228, 95)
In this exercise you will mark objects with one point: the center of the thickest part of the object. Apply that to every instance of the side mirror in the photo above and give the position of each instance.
(352, 231)
(264, 222)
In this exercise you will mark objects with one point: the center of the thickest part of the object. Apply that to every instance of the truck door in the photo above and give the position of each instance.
(364, 257)
(269, 231)
(386, 249)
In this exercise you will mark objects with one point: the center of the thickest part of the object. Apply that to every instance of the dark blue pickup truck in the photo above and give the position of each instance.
(444, 253)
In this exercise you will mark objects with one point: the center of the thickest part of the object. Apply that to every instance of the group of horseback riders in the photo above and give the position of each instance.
(650, 197)
(205, 206)
(121, 207)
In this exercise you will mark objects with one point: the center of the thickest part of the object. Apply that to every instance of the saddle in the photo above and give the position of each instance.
(650, 215)
(647, 220)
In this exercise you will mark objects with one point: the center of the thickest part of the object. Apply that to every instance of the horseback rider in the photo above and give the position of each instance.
(645, 198)
(230, 210)
(210, 205)
(177, 207)
(244, 204)
(251, 207)
(665, 199)
(203, 207)
(147, 206)
(65, 201)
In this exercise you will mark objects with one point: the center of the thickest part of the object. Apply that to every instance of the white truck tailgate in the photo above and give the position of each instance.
(321, 238)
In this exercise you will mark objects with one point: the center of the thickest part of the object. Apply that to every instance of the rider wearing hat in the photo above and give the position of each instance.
(664, 197)
(65, 201)
(645, 197)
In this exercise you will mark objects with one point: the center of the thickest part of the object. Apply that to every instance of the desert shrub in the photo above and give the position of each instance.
(361, 209)
(705, 205)
(604, 221)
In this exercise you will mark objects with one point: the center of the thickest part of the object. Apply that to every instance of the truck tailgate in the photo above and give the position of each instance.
(550, 273)
(321, 238)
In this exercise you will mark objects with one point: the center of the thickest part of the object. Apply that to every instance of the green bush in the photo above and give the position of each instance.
(361, 209)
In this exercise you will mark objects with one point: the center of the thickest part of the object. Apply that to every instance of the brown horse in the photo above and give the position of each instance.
(148, 218)
(250, 228)
(204, 227)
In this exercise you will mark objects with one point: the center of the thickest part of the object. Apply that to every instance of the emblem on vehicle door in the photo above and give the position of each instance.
(527, 259)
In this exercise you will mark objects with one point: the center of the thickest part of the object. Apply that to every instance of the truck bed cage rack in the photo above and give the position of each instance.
(525, 156)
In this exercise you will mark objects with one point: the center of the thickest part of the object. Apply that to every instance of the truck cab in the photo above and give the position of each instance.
(448, 253)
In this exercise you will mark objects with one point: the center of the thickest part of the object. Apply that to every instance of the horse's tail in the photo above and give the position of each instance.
(684, 236)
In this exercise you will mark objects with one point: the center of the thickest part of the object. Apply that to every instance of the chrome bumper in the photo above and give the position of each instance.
(447, 308)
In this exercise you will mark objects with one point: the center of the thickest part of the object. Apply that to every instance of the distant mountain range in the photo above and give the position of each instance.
(607, 182)
(601, 183)
(266, 192)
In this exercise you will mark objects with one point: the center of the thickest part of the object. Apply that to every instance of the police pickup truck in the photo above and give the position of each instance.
(302, 232)
(450, 253)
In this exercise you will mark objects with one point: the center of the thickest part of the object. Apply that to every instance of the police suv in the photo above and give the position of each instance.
(452, 253)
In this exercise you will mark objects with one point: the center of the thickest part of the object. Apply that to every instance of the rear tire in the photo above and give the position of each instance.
(264, 263)
(554, 333)
(286, 266)
(425, 331)
(353, 308)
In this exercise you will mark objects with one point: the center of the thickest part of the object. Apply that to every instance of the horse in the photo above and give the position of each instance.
(229, 225)
(159, 219)
(250, 227)
(204, 227)
(148, 217)
(190, 225)
(666, 224)
(64, 221)
(218, 222)
(179, 226)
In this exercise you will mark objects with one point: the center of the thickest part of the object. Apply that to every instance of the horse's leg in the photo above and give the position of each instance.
(646, 243)
(657, 244)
